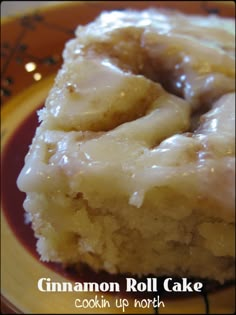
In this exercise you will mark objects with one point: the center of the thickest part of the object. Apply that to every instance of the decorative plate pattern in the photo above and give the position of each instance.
(31, 47)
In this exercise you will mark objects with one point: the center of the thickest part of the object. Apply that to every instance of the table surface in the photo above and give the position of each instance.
(11, 8)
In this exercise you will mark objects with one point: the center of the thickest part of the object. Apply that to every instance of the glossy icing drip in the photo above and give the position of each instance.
(108, 120)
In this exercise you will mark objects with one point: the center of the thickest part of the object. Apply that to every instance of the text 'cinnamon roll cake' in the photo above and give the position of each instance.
(132, 169)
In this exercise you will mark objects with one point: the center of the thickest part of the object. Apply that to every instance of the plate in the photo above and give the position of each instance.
(31, 47)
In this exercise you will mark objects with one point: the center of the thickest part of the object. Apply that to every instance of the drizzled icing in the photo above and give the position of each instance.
(111, 129)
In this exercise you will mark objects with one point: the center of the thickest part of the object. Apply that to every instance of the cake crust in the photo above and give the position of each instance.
(134, 158)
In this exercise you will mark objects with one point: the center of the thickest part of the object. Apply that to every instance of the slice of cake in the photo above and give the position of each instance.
(132, 167)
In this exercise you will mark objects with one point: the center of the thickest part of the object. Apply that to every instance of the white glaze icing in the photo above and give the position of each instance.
(123, 130)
